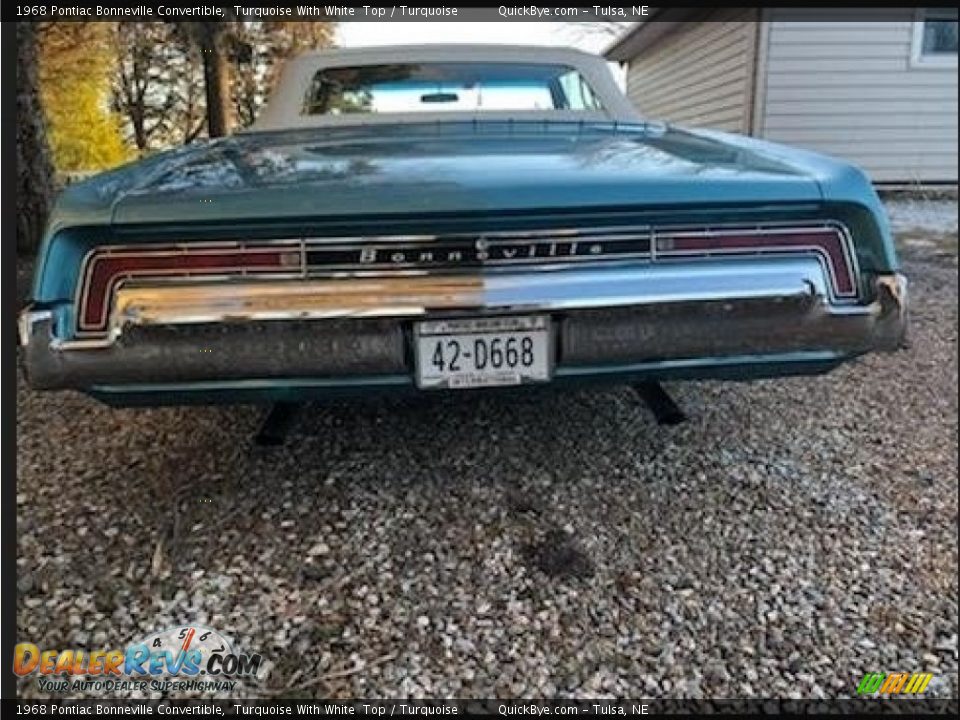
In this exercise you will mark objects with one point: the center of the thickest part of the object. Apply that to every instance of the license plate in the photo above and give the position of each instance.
(482, 352)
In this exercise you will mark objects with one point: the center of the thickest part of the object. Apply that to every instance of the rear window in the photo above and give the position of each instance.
(433, 87)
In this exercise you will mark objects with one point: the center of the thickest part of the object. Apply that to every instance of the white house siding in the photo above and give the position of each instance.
(850, 89)
(699, 75)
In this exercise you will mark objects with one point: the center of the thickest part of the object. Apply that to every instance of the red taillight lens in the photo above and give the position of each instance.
(828, 242)
(105, 269)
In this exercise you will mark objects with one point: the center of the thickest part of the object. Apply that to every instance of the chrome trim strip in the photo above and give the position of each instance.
(614, 233)
(92, 256)
(563, 233)
(413, 295)
(346, 243)
(846, 246)
(815, 251)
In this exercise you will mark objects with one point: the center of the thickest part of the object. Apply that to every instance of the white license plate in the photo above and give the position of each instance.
(482, 352)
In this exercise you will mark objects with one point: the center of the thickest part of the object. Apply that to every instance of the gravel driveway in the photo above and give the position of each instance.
(788, 538)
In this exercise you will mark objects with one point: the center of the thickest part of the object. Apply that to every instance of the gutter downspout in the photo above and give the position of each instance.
(758, 95)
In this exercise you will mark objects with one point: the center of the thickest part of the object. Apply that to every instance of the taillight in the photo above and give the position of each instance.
(828, 242)
(106, 268)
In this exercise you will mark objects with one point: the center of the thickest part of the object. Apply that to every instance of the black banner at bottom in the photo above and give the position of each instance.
(477, 708)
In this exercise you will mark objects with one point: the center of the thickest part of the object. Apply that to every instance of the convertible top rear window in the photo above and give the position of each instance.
(444, 86)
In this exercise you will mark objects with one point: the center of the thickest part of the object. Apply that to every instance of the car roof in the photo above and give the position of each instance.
(374, 54)
(285, 107)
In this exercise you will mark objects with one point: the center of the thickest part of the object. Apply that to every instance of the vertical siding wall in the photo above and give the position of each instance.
(699, 75)
(849, 89)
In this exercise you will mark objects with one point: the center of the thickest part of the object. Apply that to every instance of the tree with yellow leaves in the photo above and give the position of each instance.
(76, 65)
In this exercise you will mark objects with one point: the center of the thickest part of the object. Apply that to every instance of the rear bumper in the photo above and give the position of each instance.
(356, 333)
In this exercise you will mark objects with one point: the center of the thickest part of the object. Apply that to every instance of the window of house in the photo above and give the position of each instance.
(935, 37)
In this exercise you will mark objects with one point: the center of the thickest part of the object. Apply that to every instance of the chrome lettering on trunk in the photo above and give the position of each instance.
(481, 251)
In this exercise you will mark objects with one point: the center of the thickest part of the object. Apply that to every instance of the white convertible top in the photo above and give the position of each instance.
(285, 108)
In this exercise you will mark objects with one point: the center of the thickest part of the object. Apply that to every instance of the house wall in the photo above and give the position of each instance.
(852, 89)
(701, 74)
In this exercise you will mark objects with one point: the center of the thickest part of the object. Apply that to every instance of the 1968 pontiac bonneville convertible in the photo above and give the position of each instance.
(444, 217)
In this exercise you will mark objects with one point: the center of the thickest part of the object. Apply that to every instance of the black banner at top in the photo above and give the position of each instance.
(190, 10)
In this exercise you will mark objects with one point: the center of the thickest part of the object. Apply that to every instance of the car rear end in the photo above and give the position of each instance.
(294, 309)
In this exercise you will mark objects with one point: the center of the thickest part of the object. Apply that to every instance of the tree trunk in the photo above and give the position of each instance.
(216, 78)
(34, 168)
(138, 119)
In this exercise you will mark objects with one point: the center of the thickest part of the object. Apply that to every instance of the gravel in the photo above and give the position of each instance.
(791, 536)
(911, 214)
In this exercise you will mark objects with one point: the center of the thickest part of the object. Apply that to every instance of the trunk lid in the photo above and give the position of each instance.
(457, 167)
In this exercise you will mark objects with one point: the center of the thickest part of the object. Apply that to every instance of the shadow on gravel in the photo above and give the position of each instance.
(558, 556)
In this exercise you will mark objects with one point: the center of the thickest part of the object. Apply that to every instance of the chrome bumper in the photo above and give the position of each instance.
(352, 327)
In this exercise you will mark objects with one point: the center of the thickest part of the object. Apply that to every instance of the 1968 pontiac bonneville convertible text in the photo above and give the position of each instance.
(456, 217)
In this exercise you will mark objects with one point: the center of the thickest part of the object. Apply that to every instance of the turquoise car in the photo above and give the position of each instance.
(455, 217)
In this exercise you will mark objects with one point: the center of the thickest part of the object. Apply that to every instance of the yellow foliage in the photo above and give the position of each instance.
(82, 134)
(75, 75)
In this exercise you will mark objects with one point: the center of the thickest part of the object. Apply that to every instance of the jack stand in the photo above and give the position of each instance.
(663, 407)
(277, 423)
